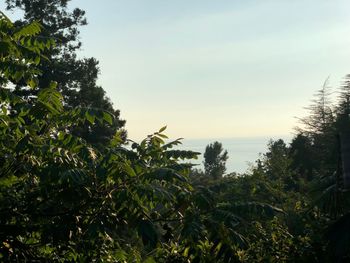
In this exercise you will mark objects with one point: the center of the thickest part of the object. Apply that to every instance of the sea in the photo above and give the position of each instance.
(242, 151)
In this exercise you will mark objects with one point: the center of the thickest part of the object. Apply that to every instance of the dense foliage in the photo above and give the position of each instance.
(215, 160)
(65, 197)
(76, 77)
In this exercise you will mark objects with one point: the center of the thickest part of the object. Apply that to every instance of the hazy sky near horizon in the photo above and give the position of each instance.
(208, 69)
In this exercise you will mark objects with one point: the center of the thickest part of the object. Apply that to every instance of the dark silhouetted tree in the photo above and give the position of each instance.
(215, 158)
(277, 165)
(343, 107)
(321, 116)
(319, 127)
(302, 156)
(76, 77)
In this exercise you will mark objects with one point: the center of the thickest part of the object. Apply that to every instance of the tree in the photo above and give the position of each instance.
(63, 199)
(319, 127)
(343, 107)
(321, 115)
(215, 160)
(276, 166)
(301, 154)
(76, 77)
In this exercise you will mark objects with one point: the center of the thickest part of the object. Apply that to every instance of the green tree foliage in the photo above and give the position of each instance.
(319, 141)
(67, 197)
(276, 161)
(215, 160)
(61, 199)
(76, 77)
(64, 199)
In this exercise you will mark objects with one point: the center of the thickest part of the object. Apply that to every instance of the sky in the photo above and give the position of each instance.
(215, 69)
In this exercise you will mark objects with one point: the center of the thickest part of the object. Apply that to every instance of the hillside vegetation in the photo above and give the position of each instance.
(73, 188)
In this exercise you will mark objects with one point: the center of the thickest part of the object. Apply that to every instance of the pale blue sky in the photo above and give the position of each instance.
(216, 69)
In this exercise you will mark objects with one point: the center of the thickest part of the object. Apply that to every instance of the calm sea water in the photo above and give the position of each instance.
(241, 151)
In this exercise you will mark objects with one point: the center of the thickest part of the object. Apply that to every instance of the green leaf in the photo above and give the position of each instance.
(129, 170)
(37, 60)
(90, 117)
(51, 99)
(185, 253)
(53, 85)
(108, 117)
(150, 260)
(4, 110)
(162, 129)
(120, 255)
(31, 29)
(32, 83)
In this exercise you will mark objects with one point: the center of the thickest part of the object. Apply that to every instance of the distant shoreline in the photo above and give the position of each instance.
(241, 150)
